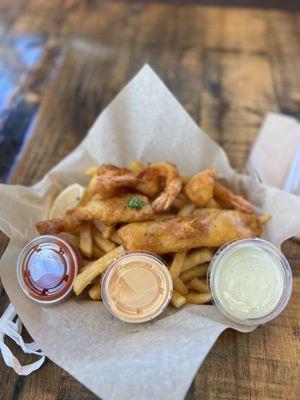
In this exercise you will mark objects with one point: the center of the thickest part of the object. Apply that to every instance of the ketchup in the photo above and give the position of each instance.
(47, 268)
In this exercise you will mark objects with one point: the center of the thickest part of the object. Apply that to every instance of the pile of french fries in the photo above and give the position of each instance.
(189, 271)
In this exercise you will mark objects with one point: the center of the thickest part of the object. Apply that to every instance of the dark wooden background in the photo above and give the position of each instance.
(62, 61)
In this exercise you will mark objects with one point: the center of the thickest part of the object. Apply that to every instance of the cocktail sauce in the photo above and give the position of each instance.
(47, 268)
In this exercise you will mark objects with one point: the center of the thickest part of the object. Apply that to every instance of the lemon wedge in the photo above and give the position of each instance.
(66, 200)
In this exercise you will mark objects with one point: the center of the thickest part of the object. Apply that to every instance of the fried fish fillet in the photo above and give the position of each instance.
(180, 234)
(115, 210)
(109, 211)
(57, 225)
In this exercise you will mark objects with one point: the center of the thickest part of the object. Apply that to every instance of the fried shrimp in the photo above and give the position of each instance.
(168, 174)
(162, 180)
(112, 181)
(231, 200)
(181, 234)
(200, 188)
(108, 181)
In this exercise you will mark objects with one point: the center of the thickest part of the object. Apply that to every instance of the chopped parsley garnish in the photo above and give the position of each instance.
(135, 203)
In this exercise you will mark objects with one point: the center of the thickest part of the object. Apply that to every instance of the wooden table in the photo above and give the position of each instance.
(61, 64)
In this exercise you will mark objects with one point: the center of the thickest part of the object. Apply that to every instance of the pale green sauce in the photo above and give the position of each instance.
(249, 282)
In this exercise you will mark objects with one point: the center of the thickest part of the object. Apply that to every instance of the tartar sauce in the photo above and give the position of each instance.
(249, 282)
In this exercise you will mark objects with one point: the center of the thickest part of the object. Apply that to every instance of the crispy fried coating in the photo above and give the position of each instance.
(180, 234)
(227, 198)
(109, 211)
(169, 175)
(200, 187)
(57, 225)
(112, 181)
(161, 179)
(114, 210)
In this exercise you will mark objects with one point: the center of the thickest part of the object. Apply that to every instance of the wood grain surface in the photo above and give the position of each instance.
(228, 66)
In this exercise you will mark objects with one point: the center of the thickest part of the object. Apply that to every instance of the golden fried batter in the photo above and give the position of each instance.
(57, 225)
(180, 234)
(115, 210)
(169, 175)
(160, 179)
(200, 187)
(109, 211)
(231, 200)
(112, 181)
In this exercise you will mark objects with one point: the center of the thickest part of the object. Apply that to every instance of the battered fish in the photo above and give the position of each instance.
(115, 210)
(127, 208)
(180, 234)
(57, 225)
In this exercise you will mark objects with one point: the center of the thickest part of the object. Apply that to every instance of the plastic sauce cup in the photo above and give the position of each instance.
(137, 287)
(47, 268)
(250, 281)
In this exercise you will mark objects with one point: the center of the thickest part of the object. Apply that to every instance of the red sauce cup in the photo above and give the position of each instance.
(47, 268)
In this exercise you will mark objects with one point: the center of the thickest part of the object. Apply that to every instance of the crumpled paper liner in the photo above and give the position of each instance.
(156, 360)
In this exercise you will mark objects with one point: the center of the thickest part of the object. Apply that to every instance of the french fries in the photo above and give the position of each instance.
(177, 299)
(70, 238)
(199, 285)
(97, 252)
(177, 264)
(106, 231)
(197, 272)
(180, 286)
(196, 257)
(84, 266)
(104, 244)
(86, 240)
(94, 269)
(198, 298)
(95, 291)
(115, 238)
(89, 191)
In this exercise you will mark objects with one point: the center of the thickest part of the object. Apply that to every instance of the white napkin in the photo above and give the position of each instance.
(274, 151)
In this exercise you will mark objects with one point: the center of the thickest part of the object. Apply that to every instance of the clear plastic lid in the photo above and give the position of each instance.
(137, 287)
(46, 269)
(261, 292)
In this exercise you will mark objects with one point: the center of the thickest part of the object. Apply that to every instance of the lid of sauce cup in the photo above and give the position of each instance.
(137, 287)
(46, 269)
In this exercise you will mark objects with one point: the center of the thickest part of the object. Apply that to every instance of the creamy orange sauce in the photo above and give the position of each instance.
(137, 287)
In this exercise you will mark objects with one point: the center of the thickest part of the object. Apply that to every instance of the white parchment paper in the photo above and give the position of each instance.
(117, 361)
